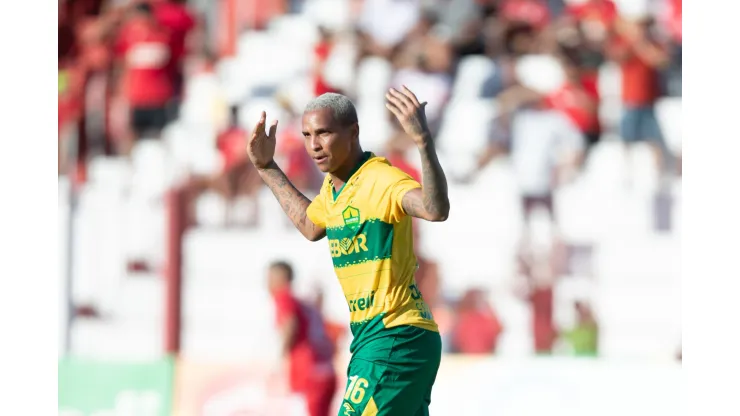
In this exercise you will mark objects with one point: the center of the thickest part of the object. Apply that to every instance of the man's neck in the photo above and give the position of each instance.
(340, 176)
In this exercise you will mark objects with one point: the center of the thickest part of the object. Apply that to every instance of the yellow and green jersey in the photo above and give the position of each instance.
(371, 245)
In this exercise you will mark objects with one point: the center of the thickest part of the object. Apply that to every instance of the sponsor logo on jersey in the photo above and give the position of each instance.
(362, 303)
(348, 410)
(348, 245)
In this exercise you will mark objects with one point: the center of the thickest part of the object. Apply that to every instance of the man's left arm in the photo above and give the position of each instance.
(431, 202)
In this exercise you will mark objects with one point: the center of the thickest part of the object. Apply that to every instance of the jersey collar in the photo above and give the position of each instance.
(365, 157)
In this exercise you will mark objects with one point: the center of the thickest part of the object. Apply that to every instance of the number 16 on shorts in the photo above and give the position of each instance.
(356, 389)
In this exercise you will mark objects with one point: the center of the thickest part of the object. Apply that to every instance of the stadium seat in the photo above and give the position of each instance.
(633, 9)
(298, 91)
(642, 260)
(606, 165)
(295, 28)
(464, 133)
(112, 340)
(264, 60)
(610, 114)
(210, 210)
(433, 88)
(140, 299)
(373, 79)
(375, 127)
(235, 86)
(249, 113)
(339, 69)
(610, 81)
(110, 172)
(152, 169)
(99, 262)
(541, 73)
(515, 315)
(472, 72)
(668, 111)
(580, 218)
(332, 14)
(203, 105)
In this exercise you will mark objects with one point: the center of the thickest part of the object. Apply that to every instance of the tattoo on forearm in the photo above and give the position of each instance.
(434, 187)
(413, 207)
(293, 202)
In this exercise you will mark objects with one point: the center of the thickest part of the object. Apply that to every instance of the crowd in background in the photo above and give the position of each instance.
(123, 67)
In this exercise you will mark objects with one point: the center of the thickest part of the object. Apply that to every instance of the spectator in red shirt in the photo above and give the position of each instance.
(305, 344)
(577, 103)
(596, 17)
(640, 58)
(175, 16)
(321, 52)
(144, 49)
(477, 327)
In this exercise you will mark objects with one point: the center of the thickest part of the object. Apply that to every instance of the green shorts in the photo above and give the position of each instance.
(393, 375)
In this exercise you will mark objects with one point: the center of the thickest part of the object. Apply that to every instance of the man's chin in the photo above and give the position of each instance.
(324, 167)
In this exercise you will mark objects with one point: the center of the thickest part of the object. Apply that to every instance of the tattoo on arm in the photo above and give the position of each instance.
(293, 202)
(412, 204)
(434, 203)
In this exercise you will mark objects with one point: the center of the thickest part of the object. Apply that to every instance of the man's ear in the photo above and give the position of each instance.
(356, 131)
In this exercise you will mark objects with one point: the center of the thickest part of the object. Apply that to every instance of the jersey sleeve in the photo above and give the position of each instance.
(316, 211)
(400, 184)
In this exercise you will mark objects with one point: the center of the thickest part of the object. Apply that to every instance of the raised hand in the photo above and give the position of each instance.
(261, 146)
(410, 113)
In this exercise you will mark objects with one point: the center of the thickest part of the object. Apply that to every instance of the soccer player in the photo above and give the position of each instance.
(305, 345)
(364, 209)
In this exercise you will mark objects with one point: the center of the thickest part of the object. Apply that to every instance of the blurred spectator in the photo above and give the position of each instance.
(506, 48)
(322, 51)
(584, 336)
(304, 343)
(238, 181)
(423, 61)
(461, 22)
(671, 20)
(180, 22)
(335, 331)
(69, 108)
(539, 271)
(94, 60)
(144, 50)
(423, 48)
(577, 103)
(544, 146)
(640, 57)
(477, 328)
(534, 13)
(595, 17)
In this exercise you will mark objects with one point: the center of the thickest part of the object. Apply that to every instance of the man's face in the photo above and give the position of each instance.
(327, 142)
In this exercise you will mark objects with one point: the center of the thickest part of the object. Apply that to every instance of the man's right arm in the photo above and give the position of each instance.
(293, 202)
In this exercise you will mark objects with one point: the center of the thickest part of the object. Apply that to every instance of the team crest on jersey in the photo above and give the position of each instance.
(348, 410)
(351, 216)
